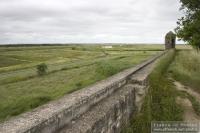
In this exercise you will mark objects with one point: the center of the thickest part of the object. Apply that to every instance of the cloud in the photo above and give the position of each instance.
(88, 21)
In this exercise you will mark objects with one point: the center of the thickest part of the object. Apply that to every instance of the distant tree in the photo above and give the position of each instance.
(73, 48)
(189, 26)
(42, 69)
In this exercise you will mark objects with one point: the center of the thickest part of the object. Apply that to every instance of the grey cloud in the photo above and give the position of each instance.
(63, 21)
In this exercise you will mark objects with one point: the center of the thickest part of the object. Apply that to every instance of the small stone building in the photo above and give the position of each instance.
(170, 40)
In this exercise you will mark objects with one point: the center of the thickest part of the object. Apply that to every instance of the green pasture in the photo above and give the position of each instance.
(70, 67)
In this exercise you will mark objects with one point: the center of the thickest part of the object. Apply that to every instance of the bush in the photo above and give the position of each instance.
(73, 48)
(106, 69)
(78, 85)
(42, 69)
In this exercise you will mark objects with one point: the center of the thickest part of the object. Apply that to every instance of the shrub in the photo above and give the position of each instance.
(106, 69)
(78, 85)
(73, 48)
(42, 69)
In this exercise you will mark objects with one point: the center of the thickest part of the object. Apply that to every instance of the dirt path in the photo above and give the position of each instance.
(190, 91)
(189, 113)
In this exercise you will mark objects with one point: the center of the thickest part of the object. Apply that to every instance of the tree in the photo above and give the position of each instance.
(42, 69)
(188, 28)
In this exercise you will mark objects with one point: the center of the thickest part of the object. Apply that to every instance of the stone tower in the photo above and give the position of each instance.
(170, 40)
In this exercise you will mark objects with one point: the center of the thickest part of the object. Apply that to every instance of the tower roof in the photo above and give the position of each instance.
(170, 34)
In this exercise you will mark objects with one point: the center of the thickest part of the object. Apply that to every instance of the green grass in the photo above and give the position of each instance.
(9, 61)
(186, 68)
(159, 103)
(70, 68)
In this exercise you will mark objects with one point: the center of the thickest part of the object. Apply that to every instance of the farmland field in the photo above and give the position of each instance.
(70, 67)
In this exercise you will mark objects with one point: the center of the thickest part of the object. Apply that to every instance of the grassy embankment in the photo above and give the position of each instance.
(159, 103)
(186, 69)
(69, 68)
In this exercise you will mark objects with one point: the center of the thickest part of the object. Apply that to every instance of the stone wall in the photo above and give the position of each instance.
(103, 107)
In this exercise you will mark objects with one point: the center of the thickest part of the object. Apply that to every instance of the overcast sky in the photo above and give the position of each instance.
(87, 21)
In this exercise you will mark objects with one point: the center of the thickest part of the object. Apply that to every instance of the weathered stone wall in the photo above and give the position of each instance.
(110, 115)
(103, 107)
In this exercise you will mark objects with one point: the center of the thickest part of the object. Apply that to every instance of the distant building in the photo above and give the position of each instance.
(108, 47)
(170, 40)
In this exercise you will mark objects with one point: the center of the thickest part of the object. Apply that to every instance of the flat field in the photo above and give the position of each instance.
(70, 67)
